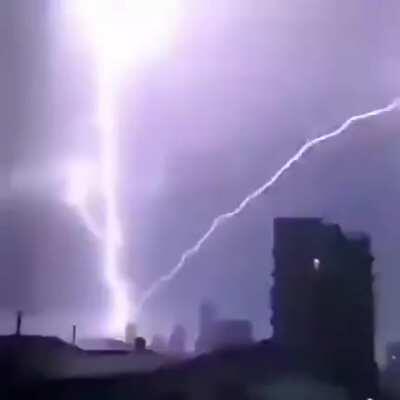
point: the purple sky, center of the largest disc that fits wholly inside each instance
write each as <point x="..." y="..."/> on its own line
<point x="245" y="85"/>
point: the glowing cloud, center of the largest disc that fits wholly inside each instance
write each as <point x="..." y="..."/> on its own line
<point x="126" y="32"/>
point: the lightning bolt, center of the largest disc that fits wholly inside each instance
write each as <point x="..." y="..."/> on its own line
<point x="79" y="182"/>
<point x="82" y="179"/>
<point x="88" y="221"/>
<point x="109" y="182"/>
<point x="219" y="220"/>
<point x="122" y="34"/>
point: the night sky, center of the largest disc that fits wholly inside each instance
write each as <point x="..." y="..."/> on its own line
<point x="244" y="85"/>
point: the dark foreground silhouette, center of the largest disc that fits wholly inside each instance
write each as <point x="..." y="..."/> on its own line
<point x="29" y="367"/>
<point x="322" y="347"/>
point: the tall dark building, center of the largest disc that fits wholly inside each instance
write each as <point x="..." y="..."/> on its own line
<point x="207" y="317"/>
<point x="322" y="300"/>
<point x="177" y="340"/>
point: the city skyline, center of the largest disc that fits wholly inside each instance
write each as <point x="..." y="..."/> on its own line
<point x="239" y="111"/>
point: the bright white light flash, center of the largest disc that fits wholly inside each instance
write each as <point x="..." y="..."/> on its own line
<point x="126" y="32"/>
<point x="257" y="193"/>
<point x="122" y="33"/>
<point x="109" y="182"/>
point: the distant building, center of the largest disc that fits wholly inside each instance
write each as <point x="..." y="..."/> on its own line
<point x="322" y="299"/>
<point x="130" y="333"/>
<point x="216" y="333"/>
<point x="140" y="344"/>
<point x="232" y="333"/>
<point x="177" y="340"/>
<point x="158" y="344"/>
<point x="207" y="317"/>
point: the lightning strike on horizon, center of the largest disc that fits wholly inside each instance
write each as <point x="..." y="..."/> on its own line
<point x="81" y="180"/>
<point x="80" y="183"/>
<point x="113" y="233"/>
<point x="219" y="220"/>
<point x="122" y="34"/>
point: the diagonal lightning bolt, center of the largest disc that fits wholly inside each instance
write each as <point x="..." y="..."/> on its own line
<point x="219" y="220"/>
<point x="79" y="184"/>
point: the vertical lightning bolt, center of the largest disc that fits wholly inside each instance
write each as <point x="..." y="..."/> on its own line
<point x="109" y="181"/>
<point x="219" y="220"/>
<point x="81" y="180"/>
<point x="123" y="35"/>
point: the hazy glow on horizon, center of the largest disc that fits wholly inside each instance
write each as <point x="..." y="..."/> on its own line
<point x="122" y="35"/>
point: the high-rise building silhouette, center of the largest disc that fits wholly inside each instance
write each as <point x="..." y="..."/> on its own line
<point x="220" y="333"/>
<point x="322" y="299"/>
<point x="207" y="317"/>
<point x="158" y="344"/>
<point x="130" y="333"/>
<point x="177" y="340"/>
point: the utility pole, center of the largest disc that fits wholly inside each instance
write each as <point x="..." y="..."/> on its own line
<point x="19" y="323"/>
<point x="74" y="335"/>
